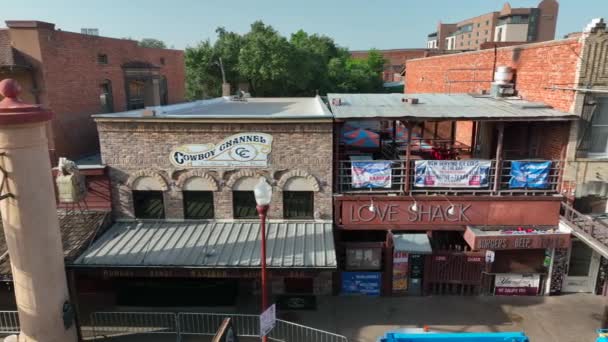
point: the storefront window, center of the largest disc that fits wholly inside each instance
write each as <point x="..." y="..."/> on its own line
<point x="244" y="205"/>
<point x="148" y="204"/>
<point x="198" y="204"/>
<point x="298" y="204"/>
<point x="363" y="258"/>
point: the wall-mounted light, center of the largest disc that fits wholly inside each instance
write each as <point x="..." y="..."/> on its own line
<point x="371" y="207"/>
<point x="414" y="206"/>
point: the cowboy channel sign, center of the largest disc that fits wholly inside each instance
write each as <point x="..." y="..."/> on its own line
<point x="239" y="150"/>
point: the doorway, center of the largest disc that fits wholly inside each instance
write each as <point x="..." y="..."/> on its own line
<point x="582" y="270"/>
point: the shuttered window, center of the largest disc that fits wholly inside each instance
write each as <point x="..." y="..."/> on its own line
<point x="148" y="204"/>
<point x="298" y="204"/>
<point x="244" y="205"/>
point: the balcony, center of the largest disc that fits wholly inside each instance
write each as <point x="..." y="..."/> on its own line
<point x="427" y="158"/>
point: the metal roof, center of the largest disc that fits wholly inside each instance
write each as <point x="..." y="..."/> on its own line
<point x="229" y="108"/>
<point x="440" y="106"/>
<point x="213" y="244"/>
<point x="412" y="243"/>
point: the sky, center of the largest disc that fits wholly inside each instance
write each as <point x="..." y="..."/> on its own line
<point x="355" y="24"/>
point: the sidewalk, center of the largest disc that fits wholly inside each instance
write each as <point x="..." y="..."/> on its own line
<point x="567" y="318"/>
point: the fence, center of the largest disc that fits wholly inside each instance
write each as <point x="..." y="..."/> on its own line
<point x="203" y="324"/>
<point x="9" y="322"/>
<point x="585" y="224"/>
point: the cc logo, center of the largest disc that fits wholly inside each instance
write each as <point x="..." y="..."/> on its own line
<point x="243" y="152"/>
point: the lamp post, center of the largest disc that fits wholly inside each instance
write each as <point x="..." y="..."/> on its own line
<point x="263" y="195"/>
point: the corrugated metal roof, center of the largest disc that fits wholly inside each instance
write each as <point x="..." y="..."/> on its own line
<point x="217" y="244"/>
<point x="441" y="106"/>
<point x="412" y="243"/>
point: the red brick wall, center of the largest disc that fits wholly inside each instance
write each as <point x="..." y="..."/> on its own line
<point x="72" y="79"/>
<point x="536" y="66"/>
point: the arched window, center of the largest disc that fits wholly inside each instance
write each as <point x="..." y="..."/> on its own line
<point x="148" y="200"/>
<point x="198" y="198"/>
<point x="243" y="199"/>
<point x="298" y="198"/>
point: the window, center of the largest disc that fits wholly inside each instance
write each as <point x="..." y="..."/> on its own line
<point x="102" y="58"/>
<point x="135" y="94"/>
<point x="461" y="44"/>
<point x="477" y="33"/>
<point x="198" y="205"/>
<point x="487" y="32"/>
<point x="162" y="60"/>
<point x="298" y="204"/>
<point x="469" y="35"/>
<point x="105" y="98"/>
<point x="243" y="204"/>
<point x="599" y="128"/>
<point x="478" y="24"/>
<point x="148" y="204"/>
<point x="487" y="22"/>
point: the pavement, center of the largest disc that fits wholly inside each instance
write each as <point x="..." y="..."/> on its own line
<point x="566" y="318"/>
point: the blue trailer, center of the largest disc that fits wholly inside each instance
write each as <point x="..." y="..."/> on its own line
<point x="455" y="337"/>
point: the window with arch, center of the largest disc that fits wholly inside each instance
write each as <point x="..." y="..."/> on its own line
<point x="243" y="199"/>
<point x="298" y="198"/>
<point x="198" y="198"/>
<point x="148" y="202"/>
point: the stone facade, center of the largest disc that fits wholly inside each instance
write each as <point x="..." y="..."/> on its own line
<point x="136" y="150"/>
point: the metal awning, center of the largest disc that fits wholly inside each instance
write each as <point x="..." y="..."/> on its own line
<point x="441" y="107"/>
<point x="412" y="243"/>
<point x="213" y="244"/>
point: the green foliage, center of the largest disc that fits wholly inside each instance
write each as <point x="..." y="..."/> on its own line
<point x="152" y="43"/>
<point x="271" y="65"/>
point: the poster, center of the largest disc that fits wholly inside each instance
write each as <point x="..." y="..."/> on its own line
<point x="452" y="173"/>
<point x="376" y="174"/>
<point x="361" y="283"/>
<point x="400" y="266"/>
<point x="512" y="284"/>
<point x="532" y="175"/>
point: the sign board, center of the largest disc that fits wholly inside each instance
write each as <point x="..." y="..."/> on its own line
<point x="361" y="283"/>
<point x="268" y="319"/>
<point x="400" y="271"/>
<point x="532" y="175"/>
<point x="363" y="258"/>
<point x="452" y="173"/>
<point x="239" y="150"/>
<point x="507" y="239"/>
<point x="376" y="174"/>
<point x="490" y="256"/>
<point x="512" y="284"/>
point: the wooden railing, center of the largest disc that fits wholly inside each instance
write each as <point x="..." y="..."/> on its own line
<point x="402" y="185"/>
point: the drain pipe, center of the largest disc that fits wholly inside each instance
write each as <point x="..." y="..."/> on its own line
<point x="31" y="226"/>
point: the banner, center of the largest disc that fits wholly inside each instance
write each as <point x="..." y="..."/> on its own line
<point x="376" y="174"/>
<point x="365" y="283"/>
<point x="516" y="284"/>
<point x="452" y="173"/>
<point x="400" y="268"/>
<point x="532" y="175"/>
<point x="243" y="149"/>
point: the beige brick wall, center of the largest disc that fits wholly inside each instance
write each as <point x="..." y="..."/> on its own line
<point x="129" y="148"/>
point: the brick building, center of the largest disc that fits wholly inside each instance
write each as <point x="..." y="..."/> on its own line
<point x="510" y="24"/>
<point x="182" y="179"/>
<point x="78" y="75"/>
<point x="569" y="76"/>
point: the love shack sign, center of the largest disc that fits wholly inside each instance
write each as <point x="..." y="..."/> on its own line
<point x="239" y="150"/>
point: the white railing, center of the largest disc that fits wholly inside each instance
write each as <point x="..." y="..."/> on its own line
<point x="202" y="324"/>
<point x="9" y="322"/>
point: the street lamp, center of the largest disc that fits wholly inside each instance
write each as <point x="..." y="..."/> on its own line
<point x="263" y="195"/>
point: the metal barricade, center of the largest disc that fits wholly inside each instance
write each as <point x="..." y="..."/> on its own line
<point x="9" y="322"/>
<point x="124" y="323"/>
<point x="196" y="323"/>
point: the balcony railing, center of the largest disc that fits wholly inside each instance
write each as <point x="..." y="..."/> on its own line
<point x="403" y="181"/>
<point x="584" y="224"/>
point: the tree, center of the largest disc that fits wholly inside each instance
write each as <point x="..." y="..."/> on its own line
<point x="304" y="65"/>
<point x="152" y="43"/>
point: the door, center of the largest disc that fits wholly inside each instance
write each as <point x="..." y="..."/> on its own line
<point x="416" y="262"/>
<point x="582" y="268"/>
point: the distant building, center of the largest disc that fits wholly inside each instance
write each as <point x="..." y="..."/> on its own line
<point x="394" y="69"/>
<point x="534" y="24"/>
<point x="82" y="74"/>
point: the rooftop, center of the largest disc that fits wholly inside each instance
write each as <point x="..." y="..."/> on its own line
<point x="212" y="244"/>
<point x="441" y="106"/>
<point x="298" y="108"/>
<point x="77" y="232"/>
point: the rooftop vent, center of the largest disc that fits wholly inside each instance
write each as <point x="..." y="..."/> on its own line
<point x="90" y="31"/>
<point x="502" y="85"/>
<point x="336" y="101"/>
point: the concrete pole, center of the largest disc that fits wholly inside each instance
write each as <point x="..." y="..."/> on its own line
<point x="30" y="221"/>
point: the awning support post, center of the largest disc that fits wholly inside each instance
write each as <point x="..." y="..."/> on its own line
<point x="499" y="150"/>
